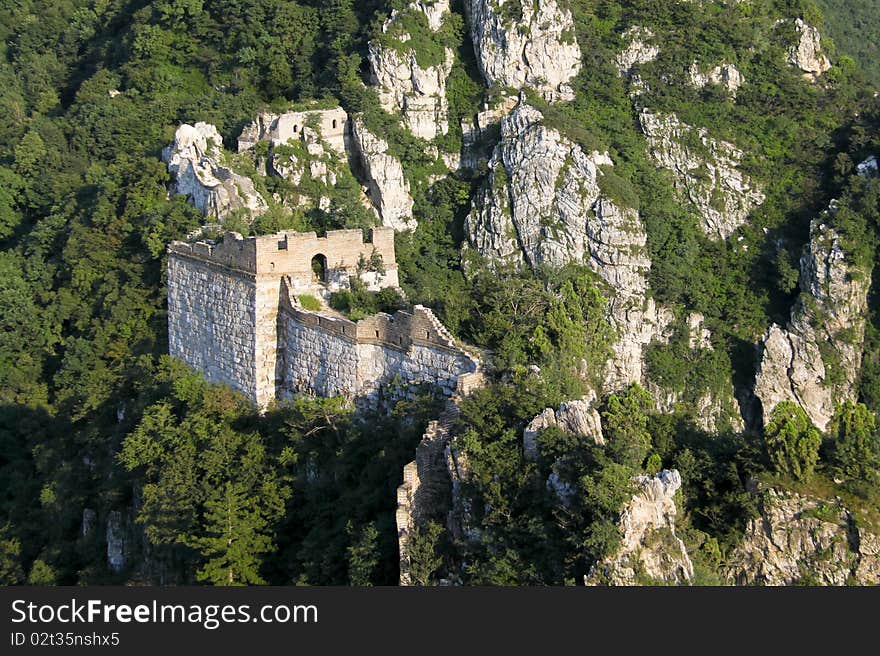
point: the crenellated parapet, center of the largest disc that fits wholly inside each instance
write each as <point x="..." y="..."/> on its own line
<point x="303" y="256"/>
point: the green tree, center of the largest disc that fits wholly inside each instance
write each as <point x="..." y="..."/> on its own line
<point x="792" y="442"/>
<point x="422" y="556"/>
<point x="625" y="423"/>
<point x="11" y="572"/>
<point x="855" y="442"/>
<point x="363" y="555"/>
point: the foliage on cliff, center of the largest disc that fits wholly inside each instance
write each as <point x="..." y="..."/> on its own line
<point x="93" y="417"/>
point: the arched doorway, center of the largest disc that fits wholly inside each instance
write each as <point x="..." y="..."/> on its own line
<point x="319" y="268"/>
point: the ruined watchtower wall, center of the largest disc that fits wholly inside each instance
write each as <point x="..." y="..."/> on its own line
<point x="331" y="356"/>
<point x="223" y="298"/>
<point x="330" y="124"/>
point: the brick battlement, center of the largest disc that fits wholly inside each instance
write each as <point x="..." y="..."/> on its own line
<point x="291" y="253"/>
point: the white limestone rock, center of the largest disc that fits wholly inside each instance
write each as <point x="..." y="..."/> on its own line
<point x="387" y="186"/>
<point x="577" y="417"/>
<point x="829" y="314"/>
<point x="525" y="44"/>
<point x="195" y="160"/>
<point x="807" y="53"/>
<point x="711" y="180"/>
<point x="799" y="539"/>
<point x="869" y="168"/>
<point x="543" y="204"/>
<point x="726" y="75"/>
<point x="639" y="49"/>
<point x="416" y="93"/>
<point x="649" y="545"/>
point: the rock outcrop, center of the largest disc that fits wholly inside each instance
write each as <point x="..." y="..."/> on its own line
<point x="544" y="204"/>
<point x="815" y="360"/>
<point x="578" y="417"/>
<point x="638" y="50"/>
<point x="525" y="44"/>
<point x="709" y="177"/>
<point x="480" y="133"/>
<point x="726" y="75"/>
<point x="804" y="540"/>
<point x="387" y="186"/>
<point x="416" y="93"/>
<point x="650" y="551"/>
<point x="807" y="53"/>
<point x="195" y="160"/>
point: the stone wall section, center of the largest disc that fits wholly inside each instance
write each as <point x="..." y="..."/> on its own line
<point x="328" y="355"/>
<point x="278" y="129"/>
<point x="234" y="315"/>
<point x="427" y="492"/>
<point x="211" y="315"/>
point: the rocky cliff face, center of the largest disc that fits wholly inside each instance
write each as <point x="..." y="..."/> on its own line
<point x="195" y="159"/>
<point x="386" y="184"/>
<point x="799" y="539"/>
<point x="414" y="92"/>
<point x="706" y="172"/>
<point x="806" y="53"/>
<point x="543" y="204"/>
<point x="578" y="417"/>
<point x="815" y="360"/>
<point x="525" y="44"/>
<point x="650" y="550"/>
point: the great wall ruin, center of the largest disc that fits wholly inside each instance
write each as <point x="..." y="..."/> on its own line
<point x="234" y="314"/>
<point x="234" y="308"/>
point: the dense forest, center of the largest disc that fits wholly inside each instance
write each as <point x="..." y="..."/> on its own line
<point x="94" y="414"/>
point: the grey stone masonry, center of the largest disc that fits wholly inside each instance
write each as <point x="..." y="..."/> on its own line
<point x="330" y="356"/>
<point x="234" y="315"/>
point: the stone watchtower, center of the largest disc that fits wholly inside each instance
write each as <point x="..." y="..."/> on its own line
<point x="223" y="297"/>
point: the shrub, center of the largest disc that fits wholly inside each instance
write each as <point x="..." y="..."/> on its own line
<point x="854" y="443"/>
<point x="309" y="302"/>
<point x="792" y="441"/>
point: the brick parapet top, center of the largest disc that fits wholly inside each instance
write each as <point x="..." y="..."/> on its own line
<point x="289" y="251"/>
